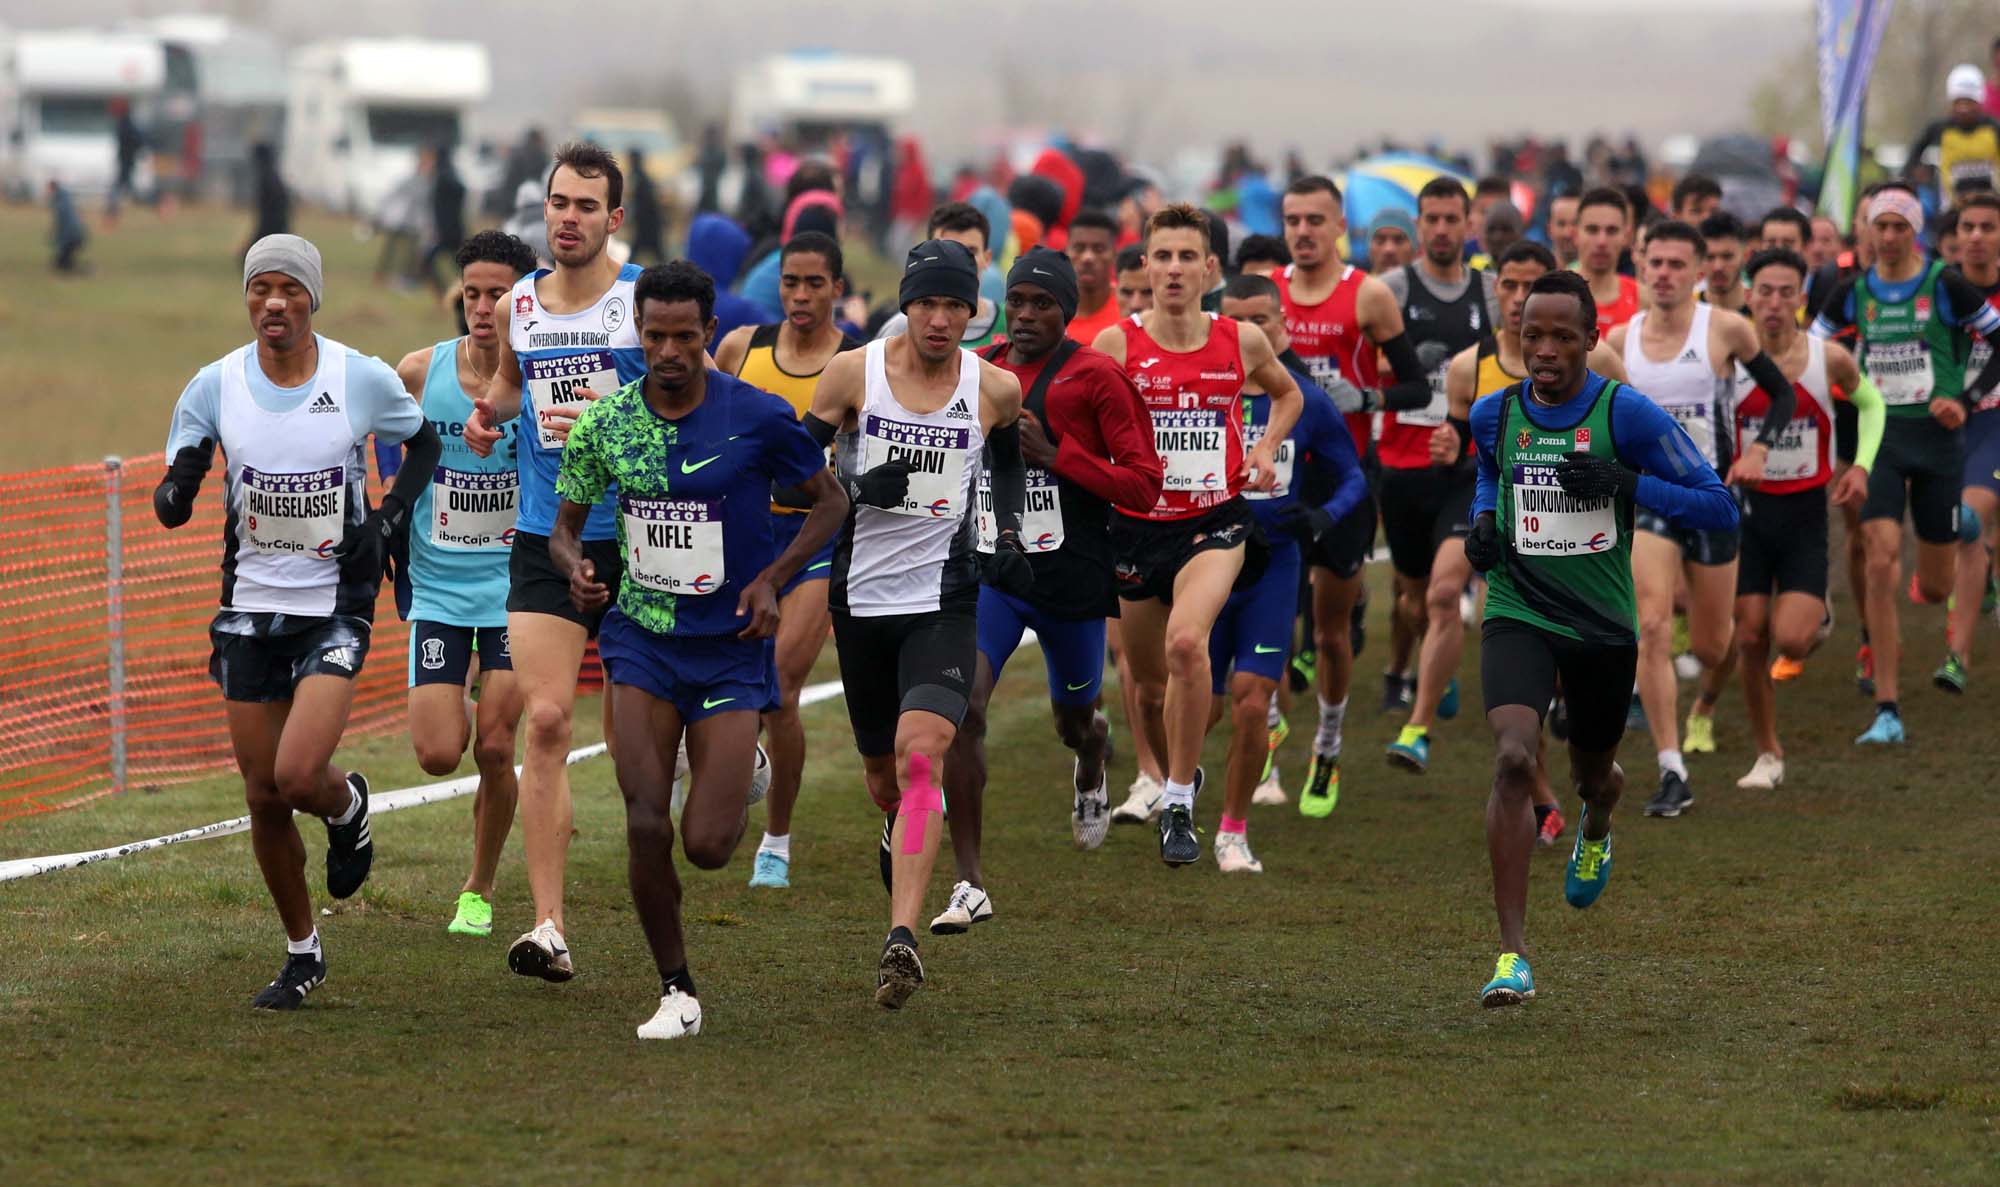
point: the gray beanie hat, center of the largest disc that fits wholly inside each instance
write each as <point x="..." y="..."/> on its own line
<point x="289" y="254"/>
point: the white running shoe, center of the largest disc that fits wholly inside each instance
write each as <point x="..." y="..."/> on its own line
<point x="1765" y="775"/>
<point x="1233" y="856"/>
<point x="541" y="953"/>
<point x="1147" y="796"/>
<point x="1687" y="667"/>
<point x="760" y="777"/>
<point x="1270" y="791"/>
<point x="679" y="1017"/>
<point x="968" y="905"/>
<point x="1090" y="818"/>
<point x="1468" y="607"/>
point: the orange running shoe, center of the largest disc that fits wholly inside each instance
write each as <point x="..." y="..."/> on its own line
<point x="1786" y="668"/>
<point x="1552" y="828"/>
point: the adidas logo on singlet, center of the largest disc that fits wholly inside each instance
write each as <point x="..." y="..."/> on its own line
<point x="958" y="411"/>
<point x="324" y="403"/>
<point x="1692" y="356"/>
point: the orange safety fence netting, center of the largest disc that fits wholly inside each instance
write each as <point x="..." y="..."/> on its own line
<point x="64" y="623"/>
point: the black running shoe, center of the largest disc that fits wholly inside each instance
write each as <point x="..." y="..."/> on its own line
<point x="1392" y="692"/>
<point x="349" y="852"/>
<point x="888" y="870"/>
<point x="1673" y="799"/>
<point x="899" y="975"/>
<point x="302" y="974"/>
<point x="1357" y="628"/>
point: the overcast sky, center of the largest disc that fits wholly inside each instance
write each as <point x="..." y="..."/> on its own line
<point x="1152" y="76"/>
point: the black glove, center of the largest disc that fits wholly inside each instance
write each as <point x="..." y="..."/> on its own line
<point x="883" y="487"/>
<point x="1592" y="477"/>
<point x="1305" y="522"/>
<point x="189" y="467"/>
<point x="1008" y="570"/>
<point x="1484" y="547"/>
<point x="364" y="547"/>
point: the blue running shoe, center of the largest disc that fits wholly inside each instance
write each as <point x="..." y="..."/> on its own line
<point x="771" y="870"/>
<point x="1512" y="983"/>
<point x="1411" y="750"/>
<point x="1589" y="867"/>
<point x="1448" y="703"/>
<point x="1887" y="730"/>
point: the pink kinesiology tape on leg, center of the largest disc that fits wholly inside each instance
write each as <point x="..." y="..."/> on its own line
<point x="921" y="801"/>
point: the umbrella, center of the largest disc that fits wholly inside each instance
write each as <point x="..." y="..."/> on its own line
<point x="1388" y="181"/>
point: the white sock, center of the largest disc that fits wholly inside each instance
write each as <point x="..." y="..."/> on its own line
<point x="1271" y="714"/>
<point x="782" y="846"/>
<point x="1180" y="795"/>
<point x="307" y="946"/>
<point x="1670" y="760"/>
<point x="1331" y="718"/>
<point x="353" y="806"/>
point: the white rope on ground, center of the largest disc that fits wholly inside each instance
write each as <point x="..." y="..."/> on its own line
<point x="388" y="801"/>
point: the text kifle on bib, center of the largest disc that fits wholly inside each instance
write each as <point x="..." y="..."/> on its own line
<point x="673" y="545"/>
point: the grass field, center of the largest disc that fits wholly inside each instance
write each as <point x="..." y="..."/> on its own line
<point x="1791" y="987"/>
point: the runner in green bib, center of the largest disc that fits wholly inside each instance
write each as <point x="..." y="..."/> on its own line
<point x="1914" y="319"/>
<point x="1564" y="459"/>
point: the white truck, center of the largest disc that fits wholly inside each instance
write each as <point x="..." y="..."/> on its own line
<point x="59" y="93"/>
<point x="360" y="110"/>
<point x="808" y="97"/>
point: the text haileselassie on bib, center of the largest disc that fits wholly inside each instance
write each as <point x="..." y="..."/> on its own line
<point x="673" y="545"/>
<point x="936" y="457"/>
<point x="559" y="382"/>
<point x="1548" y="522"/>
<point x="1041" y="525"/>
<point x="301" y="514"/>
<point x="474" y="510"/>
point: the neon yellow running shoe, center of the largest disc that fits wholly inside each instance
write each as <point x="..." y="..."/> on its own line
<point x="1700" y="735"/>
<point x="1322" y="789"/>
<point x="474" y="918"/>
<point x="1272" y="740"/>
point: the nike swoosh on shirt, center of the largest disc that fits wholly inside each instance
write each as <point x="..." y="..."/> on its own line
<point x="708" y="704"/>
<point x="687" y="469"/>
<point x="1260" y="649"/>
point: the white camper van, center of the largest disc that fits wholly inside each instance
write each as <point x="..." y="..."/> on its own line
<point x="361" y="109"/>
<point x="808" y="97"/>
<point x="58" y="94"/>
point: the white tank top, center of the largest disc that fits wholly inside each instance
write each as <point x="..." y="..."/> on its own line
<point x="1686" y="386"/>
<point x="294" y="482"/>
<point x="921" y="555"/>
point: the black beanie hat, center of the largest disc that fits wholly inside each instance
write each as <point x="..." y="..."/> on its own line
<point x="940" y="268"/>
<point x="1038" y="196"/>
<point x="1048" y="269"/>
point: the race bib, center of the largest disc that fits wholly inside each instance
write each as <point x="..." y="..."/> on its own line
<point x="1252" y="434"/>
<point x="1698" y="422"/>
<point x="1041" y="527"/>
<point x="295" y="514"/>
<point x="1975" y="362"/>
<point x="673" y="545"/>
<point x="1548" y="522"/>
<point x="936" y="457"/>
<point x="474" y="510"/>
<point x="1431" y="415"/>
<point x="1190" y="442"/>
<point x="1795" y="454"/>
<point x="557" y="383"/>
<point x="1901" y="370"/>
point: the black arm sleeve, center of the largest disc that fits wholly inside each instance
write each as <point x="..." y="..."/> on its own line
<point x="1784" y="397"/>
<point x="167" y="508"/>
<point x="1010" y="478"/>
<point x="821" y="431"/>
<point x="421" y="451"/>
<point x="1412" y="388"/>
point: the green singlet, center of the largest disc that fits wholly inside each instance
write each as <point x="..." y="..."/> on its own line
<point x="1569" y="562"/>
